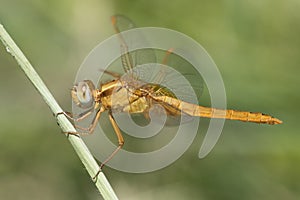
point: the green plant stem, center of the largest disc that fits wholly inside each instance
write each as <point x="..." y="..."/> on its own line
<point x="85" y="156"/>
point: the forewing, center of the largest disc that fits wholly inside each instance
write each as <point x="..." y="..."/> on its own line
<point x="131" y="59"/>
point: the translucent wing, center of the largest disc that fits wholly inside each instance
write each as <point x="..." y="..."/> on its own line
<point x="176" y="73"/>
<point x="131" y="59"/>
<point x="183" y="80"/>
<point x="185" y="69"/>
<point x="174" y="82"/>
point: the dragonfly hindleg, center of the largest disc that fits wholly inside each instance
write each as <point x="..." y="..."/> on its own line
<point x="120" y="140"/>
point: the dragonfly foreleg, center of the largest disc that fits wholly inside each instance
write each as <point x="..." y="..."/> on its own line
<point x="76" y="117"/>
<point x="91" y="128"/>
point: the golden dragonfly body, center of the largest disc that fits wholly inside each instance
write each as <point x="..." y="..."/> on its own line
<point x="133" y="96"/>
<point x="140" y="100"/>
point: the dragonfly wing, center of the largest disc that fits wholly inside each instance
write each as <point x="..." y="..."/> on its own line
<point x="121" y="23"/>
<point x="139" y="70"/>
<point x="130" y="59"/>
<point x="186" y="69"/>
<point x="173" y="81"/>
<point x="179" y="76"/>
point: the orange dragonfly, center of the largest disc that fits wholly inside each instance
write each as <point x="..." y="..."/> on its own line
<point x="132" y="95"/>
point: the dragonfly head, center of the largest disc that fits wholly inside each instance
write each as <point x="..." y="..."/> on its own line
<point x="83" y="94"/>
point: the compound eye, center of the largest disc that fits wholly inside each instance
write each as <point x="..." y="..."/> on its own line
<point x="83" y="94"/>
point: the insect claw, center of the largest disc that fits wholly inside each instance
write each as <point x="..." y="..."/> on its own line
<point x="59" y="113"/>
<point x="95" y="178"/>
<point x="65" y="113"/>
<point x="71" y="133"/>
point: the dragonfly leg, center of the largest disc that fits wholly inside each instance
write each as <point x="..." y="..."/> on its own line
<point x="77" y="117"/>
<point x="91" y="128"/>
<point x="146" y="114"/>
<point x="113" y="74"/>
<point x="120" y="140"/>
<point x="71" y="116"/>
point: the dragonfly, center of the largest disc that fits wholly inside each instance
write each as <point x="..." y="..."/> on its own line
<point x="134" y="96"/>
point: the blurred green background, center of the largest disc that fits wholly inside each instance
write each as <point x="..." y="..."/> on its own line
<point x="255" y="44"/>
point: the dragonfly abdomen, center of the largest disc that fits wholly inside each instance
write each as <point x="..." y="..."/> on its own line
<point x="201" y="111"/>
<point x="244" y="116"/>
